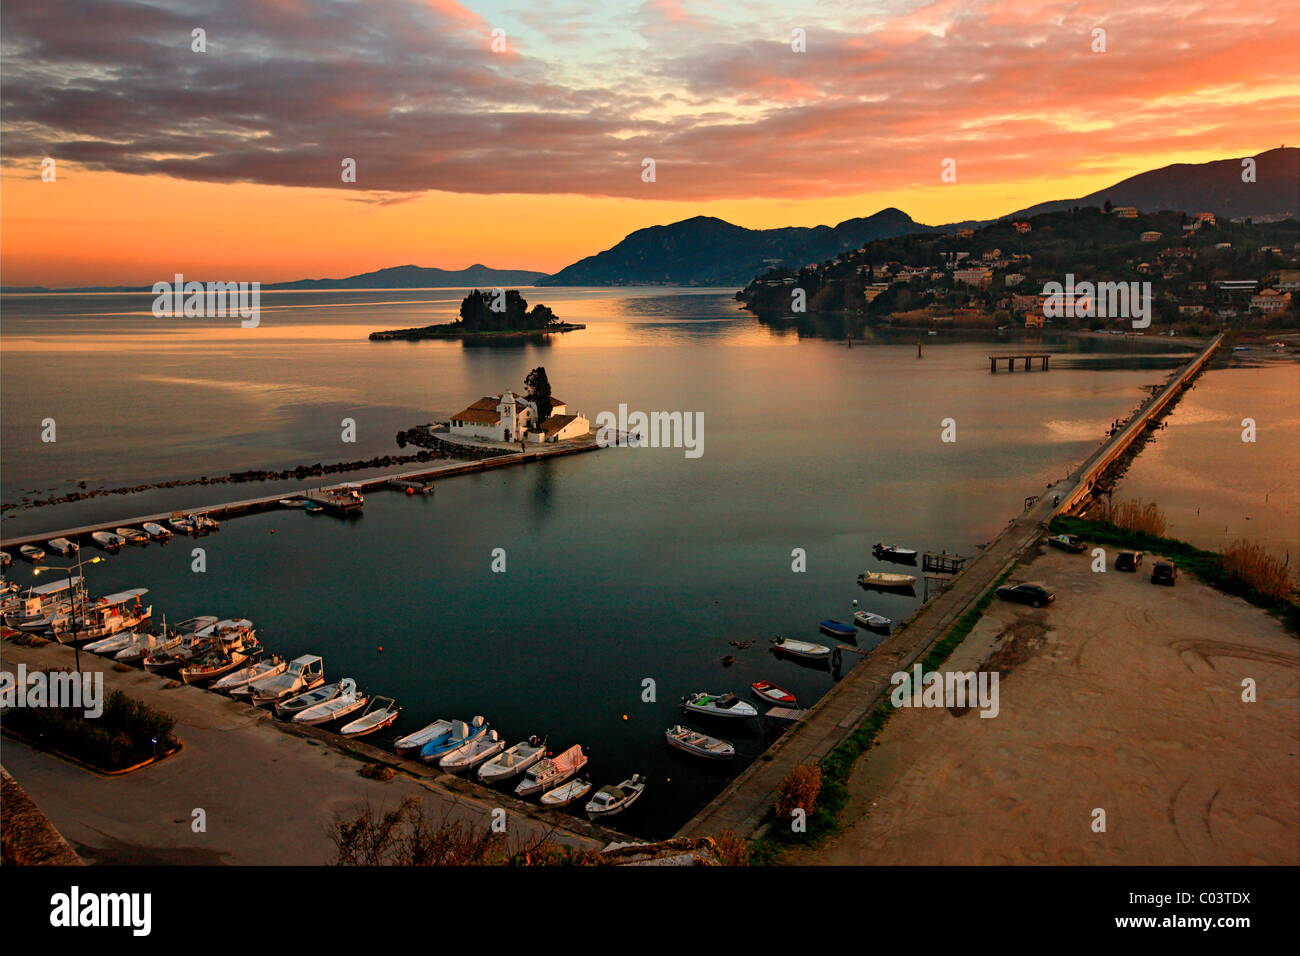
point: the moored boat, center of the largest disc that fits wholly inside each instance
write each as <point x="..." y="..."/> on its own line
<point x="302" y="674"/>
<point x="380" y="713"/>
<point x="156" y="531"/>
<point x="610" y="800"/>
<point x="180" y="524"/>
<point x="180" y="647"/>
<point x="102" y="617"/>
<point x="132" y="536"/>
<point x="892" y="552"/>
<point x="550" y="772"/>
<point x="348" y="702"/>
<point x="293" y="706"/>
<point x="701" y="745"/>
<point x="719" y="705"/>
<point x="237" y="679"/>
<point x="805" y="649"/>
<point x="6" y="559"/>
<point x="471" y="754"/>
<point x="872" y="621"/>
<point x="145" y="644"/>
<point x="515" y="760"/>
<point x="32" y="553"/>
<point x="773" y="693"/>
<point x="62" y="546"/>
<point x="566" y="793"/>
<point x="292" y="502"/>
<point x="204" y="525"/>
<point x="107" y="540"/>
<point x="413" y="742"/>
<point x="838" y="629"/>
<point x="461" y="733"/>
<point x="886" y="580"/>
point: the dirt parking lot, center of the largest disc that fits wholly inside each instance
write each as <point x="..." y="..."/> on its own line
<point x="1122" y="696"/>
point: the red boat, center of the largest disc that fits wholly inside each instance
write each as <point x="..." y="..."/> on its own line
<point x="772" y="693"/>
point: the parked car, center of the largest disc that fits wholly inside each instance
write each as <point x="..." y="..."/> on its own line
<point x="1067" y="542"/>
<point x="1128" y="561"/>
<point x="1162" y="572"/>
<point x="1028" y="593"/>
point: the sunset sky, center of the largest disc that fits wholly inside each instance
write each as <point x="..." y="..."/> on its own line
<point x="226" y="164"/>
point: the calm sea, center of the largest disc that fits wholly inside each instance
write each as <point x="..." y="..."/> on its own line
<point x="626" y="569"/>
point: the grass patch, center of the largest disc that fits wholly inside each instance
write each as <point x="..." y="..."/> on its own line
<point x="1235" y="576"/>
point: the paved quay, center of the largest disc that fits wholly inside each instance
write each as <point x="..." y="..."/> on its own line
<point x="747" y="799"/>
<point x="270" y="792"/>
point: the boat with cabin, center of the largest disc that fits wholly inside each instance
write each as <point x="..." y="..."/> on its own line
<point x="302" y="674"/>
<point x="610" y="800"/>
<point x="550" y="772"/>
<point x="892" y="552"/>
<point x="102" y="617"/>
<point x="718" y="705"/>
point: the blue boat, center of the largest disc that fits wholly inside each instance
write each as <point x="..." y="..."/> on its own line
<point x="460" y="734"/>
<point x="836" y="629"/>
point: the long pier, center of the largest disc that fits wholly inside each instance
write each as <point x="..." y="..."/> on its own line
<point x="250" y="505"/>
<point x="1043" y="358"/>
<point x="742" y="806"/>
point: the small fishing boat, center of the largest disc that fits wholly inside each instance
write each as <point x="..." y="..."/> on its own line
<point x="413" y="742"/>
<point x="302" y="674"/>
<point x="773" y="693"/>
<point x="701" y="745"/>
<point x="892" y="552"/>
<point x="103" y="616"/>
<point x="566" y="793"/>
<point x="838" y="629"/>
<point x="887" y="580"/>
<point x="6" y="559"/>
<point x="805" y="649"/>
<point x="32" y="553"/>
<point x="132" y="536"/>
<point x="180" y="524"/>
<point x="334" y="709"/>
<point x="205" y="525"/>
<point x="236" y="679"/>
<point x="471" y="754"/>
<point x="872" y="621"/>
<point x="461" y="734"/>
<point x="313" y="508"/>
<point x="381" y="712"/>
<point x="719" y="705"/>
<point x="180" y="645"/>
<point x="515" y="760"/>
<point x="550" y="772"/>
<point x="217" y="663"/>
<point x="107" y="540"/>
<point x="62" y="546"/>
<point x="156" y="531"/>
<point x="608" y="801"/>
<point x="111" y="644"/>
<point x="145" y="644"/>
<point x="292" y="502"/>
<point x="293" y="706"/>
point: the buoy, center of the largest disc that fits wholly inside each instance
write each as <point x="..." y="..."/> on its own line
<point x="410" y="490"/>
<point x="381" y="648"/>
<point x="625" y="716"/>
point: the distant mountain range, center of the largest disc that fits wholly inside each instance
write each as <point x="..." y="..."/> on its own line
<point x="709" y="251"/>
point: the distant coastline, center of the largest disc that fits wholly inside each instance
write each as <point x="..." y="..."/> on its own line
<point x="452" y="330"/>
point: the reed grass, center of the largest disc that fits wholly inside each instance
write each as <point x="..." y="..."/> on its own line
<point x="1133" y="515"/>
<point x="1250" y="564"/>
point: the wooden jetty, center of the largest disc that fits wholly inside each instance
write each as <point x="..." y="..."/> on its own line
<point x="944" y="563"/>
<point x="1043" y="358"/>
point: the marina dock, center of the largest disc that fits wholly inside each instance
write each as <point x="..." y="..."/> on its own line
<point x="232" y="509"/>
<point x="1011" y="360"/>
<point x="742" y="806"/>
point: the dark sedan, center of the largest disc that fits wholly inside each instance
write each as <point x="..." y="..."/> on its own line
<point x="1034" y="594"/>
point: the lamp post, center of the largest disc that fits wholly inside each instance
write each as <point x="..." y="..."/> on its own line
<point x="72" y="597"/>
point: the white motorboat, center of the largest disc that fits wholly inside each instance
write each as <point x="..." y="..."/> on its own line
<point x="805" y="649"/>
<point x="302" y="674"/>
<point x="156" y="531"/>
<point x="236" y="679"/>
<point x="566" y="793"/>
<point x="103" y="616"/>
<point x="62" y="546"/>
<point x="470" y="754"/>
<point x="292" y="502"/>
<point x="412" y="742"/>
<point x="871" y="621"/>
<point x="515" y="760"/>
<point x="550" y="772"/>
<point x="32" y="553"/>
<point x="719" y="705"/>
<point x="107" y="540"/>
<point x="702" y="745"/>
<point x="111" y="644"/>
<point x="293" y="706"/>
<point x="608" y="801"/>
<point x="381" y="712"/>
<point x="144" y="645"/>
<point x="180" y="524"/>
<point x="333" y="709"/>
<point x="886" y="580"/>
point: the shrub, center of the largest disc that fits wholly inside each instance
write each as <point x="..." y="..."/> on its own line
<point x="1133" y="515"/>
<point x="1248" y="563"/>
<point x="732" y="850"/>
<point x="798" y="790"/>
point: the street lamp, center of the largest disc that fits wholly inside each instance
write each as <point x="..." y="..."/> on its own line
<point x="76" y="648"/>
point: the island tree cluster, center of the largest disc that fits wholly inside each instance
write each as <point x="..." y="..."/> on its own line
<point x="502" y="310"/>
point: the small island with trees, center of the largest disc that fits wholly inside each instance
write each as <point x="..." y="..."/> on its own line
<point x="497" y="313"/>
